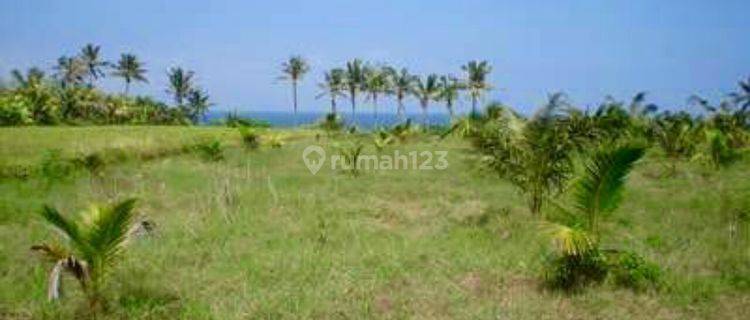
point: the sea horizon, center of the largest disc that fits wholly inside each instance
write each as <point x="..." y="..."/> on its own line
<point x="365" y="120"/>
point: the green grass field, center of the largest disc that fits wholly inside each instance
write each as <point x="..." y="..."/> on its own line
<point x="257" y="236"/>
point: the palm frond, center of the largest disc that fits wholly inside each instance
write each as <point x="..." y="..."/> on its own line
<point x="110" y="229"/>
<point x="69" y="228"/>
<point x="569" y="241"/>
<point x="600" y="190"/>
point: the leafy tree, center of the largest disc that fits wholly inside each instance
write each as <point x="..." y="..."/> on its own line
<point x="334" y="86"/>
<point x="742" y="97"/>
<point x="294" y="69"/>
<point x="425" y="91"/>
<point x="94" y="246"/>
<point x="476" y="82"/>
<point x="34" y="77"/>
<point x="92" y="61"/>
<point x="674" y="134"/>
<point x="403" y="85"/>
<point x="355" y="79"/>
<point x="130" y="69"/>
<point x="180" y="84"/>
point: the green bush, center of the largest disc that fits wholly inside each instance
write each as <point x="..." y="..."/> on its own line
<point x="54" y="167"/>
<point x="211" y="150"/>
<point x="574" y="272"/>
<point x="630" y="270"/>
<point x="14" y="110"/>
<point x="250" y="137"/>
<point x="93" y="163"/>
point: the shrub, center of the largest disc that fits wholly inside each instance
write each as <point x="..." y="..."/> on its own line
<point x="630" y="270"/>
<point x="332" y="123"/>
<point x="93" y="163"/>
<point x="250" y="137"/>
<point x="211" y="151"/>
<point x="351" y="153"/>
<point x="54" y="167"/>
<point x="574" y="272"/>
<point x="14" y="110"/>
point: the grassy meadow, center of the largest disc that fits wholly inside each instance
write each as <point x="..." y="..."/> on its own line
<point x="256" y="235"/>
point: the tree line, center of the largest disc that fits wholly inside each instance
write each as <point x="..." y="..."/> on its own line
<point x="69" y="94"/>
<point x="358" y="79"/>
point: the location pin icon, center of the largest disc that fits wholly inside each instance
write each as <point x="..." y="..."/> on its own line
<point x="314" y="158"/>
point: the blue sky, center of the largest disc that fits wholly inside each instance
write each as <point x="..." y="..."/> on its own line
<point x="587" y="48"/>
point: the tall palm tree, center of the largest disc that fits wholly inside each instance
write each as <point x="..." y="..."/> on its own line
<point x="294" y="69"/>
<point x="93" y="62"/>
<point x="198" y="104"/>
<point x="376" y="82"/>
<point x="94" y="245"/>
<point x="402" y="86"/>
<point x="130" y="69"/>
<point x="70" y="71"/>
<point x="355" y="78"/>
<point x="476" y="81"/>
<point x="180" y="84"/>
<point x="334" y="86"/>
<point x="426" y="91"/>
<point x="449" y="88"/>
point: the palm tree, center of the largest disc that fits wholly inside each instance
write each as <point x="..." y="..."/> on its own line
<point x="742" y="97"/>
<point x="34" y="76"/>
<point x="334" y="86"/>
<point x="425" y="91"/>
<point x="376" y="82"/>
<point x="94" y="245"/>
<point x="355" y="78"/>
<point x="403" y="85"/>
<point x="449" y="88"/>
<point x="94" y="64"/>
<point x="597" y="194"/>
<point x="70" y="71"/>
<point x="476" y="82"/>
<point x="130" y="69"/>
<point x="198" y="104"/>
<point x="294" y="69"/>
<point x="180" y="84"/>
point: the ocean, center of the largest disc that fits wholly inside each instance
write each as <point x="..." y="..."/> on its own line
<point x="363" y="120"/>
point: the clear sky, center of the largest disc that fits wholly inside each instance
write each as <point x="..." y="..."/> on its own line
<point x="587" y="48"/>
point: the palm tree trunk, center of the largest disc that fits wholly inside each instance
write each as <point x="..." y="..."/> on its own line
<point x="400" y="111"/>
<point x="127" y="88"/>
<point x="449" y="105"/>
<point x="333" y="105"/>
<point x="473" y="105"/>
<point x="353" y="99"/>
<point x="424" y="114"/>
<point x="294" y="97"/>
<point x="375" y="107"/>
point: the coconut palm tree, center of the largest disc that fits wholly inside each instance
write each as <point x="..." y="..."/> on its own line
<point x="197" y="105"/>
<point x="355" y="79"/>
<point x="93" y="245"/>
<point x="597" y="194"/>
<point x="93" y="62"/>
<point x="426" y="90"/>
<point x="70" y="71"/>
<point x="130" y="69"/>
<point x="334" y="86"/>
<point x="402" y="86"/>
<point x="180" y="84"/>
<point x="476" y="81"/>
<point x="294" y="69"/>
<point x="449" y="88"/>
<point x="376" y="82"/>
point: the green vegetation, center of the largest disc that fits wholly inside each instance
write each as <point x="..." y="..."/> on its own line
<point x="224" y="232"/>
